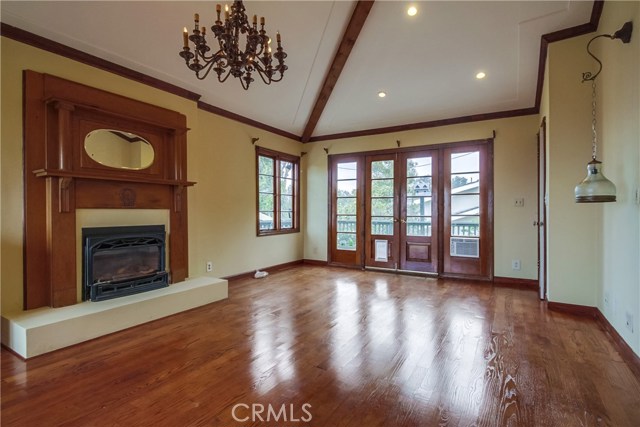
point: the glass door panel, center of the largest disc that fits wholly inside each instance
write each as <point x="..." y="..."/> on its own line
<point x="346" y="212"/>
<point x="465" y="211"/>
<point x="418" y="246"/>
<point x="382" y="212"/>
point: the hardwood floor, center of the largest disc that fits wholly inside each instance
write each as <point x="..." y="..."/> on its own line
<point x="362" y="348"/>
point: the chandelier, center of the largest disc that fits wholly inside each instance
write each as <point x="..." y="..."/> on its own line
<point x="227" y="58"/>
<point x="596" y="188"/>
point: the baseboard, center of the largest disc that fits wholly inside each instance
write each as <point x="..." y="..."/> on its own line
<point x="272" y="269"/>
<point x="575" y="309"/>
<point x="315" y="262"/>
<point x="529" y="284"/>
<point x="626" y="352"/>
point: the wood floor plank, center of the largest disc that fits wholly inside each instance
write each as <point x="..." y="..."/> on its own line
<point x="362" y="348"/>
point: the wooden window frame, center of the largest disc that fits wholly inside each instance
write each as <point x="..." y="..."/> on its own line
<point x="277" y="158"/>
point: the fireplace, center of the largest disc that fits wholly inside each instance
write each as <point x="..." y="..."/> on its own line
<point x="120" y="261"/>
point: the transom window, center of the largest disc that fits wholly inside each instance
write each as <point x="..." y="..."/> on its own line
<point x="278" y="199"/>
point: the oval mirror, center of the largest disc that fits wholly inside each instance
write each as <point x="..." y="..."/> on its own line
<point x="118" y="149"/>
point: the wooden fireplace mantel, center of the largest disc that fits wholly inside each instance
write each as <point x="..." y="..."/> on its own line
<point x="61" y="177"/>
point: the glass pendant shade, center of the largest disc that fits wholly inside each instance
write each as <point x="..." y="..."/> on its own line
<point x="595" y="188"/>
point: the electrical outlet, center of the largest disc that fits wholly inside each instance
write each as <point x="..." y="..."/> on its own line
<point x="519" y="202"/>
<point x="209" y="266"/>
<point x="629" y="321"/>
<point x="515" y="264"/>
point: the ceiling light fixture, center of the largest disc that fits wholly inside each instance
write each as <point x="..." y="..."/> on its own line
<point x="382" y="94"/>
<point x="412" y="11"/>
<point x="480" y="75"/>
<point x="596" y="187"/>
<point x="228" y="58"/>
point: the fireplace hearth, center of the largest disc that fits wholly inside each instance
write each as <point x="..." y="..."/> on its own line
<point x="120" y="261"/>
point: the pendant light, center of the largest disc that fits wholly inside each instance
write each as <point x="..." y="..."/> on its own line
<point x="596" y="188"/>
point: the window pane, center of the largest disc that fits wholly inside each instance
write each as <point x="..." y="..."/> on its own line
<point x="465" y="225"/>
<point x="347" y="205"/>
<point x="419" y="226"/>
<point x="265" y="184"/>
<point x="418" y="206"/>
<point x="382" y="188"/>
<point x="465" y="183"/>
<point x="382" y="206"/>
<point x="265" y="202"/>
<point x="465" y="162"/>
<point x="286" y="203"/>
<point x="346" y="241"/>
<point x="347" y="223"/>
<point x="419" y="166"/>
<point x="286" y="169"/>
<point x="265" y="165"/>
<point x="382" y="169"/>
<point x="347" y="170"/>
<point x="286" y="186"/>
<point x="286" y="220"/>
<point x="266" y="221"/>
<point x="347" y="188"/>
<point x="382" y="226"/>
<point x="419" y="186"/>
<point x="465" y="204"/>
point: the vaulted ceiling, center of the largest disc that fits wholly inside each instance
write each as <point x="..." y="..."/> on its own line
<point x="426" y="64"/>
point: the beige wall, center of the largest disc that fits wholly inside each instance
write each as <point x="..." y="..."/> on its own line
<point x="222" y="212"/>
<point x="573" y="249"/>
<point x="515" y="176"/>
<point x="619" y="133"/>
<point x="594" y="249"/>
<point x="220" y="158"/>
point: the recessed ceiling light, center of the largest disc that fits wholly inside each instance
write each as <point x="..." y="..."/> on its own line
<point x="382" y="94"/>
<point x="480" y="75"/>
<point x="412" y="11"/>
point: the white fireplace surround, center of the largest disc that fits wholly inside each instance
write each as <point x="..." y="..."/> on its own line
<point x="35" y="332"/>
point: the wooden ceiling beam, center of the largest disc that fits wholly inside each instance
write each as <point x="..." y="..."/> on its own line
<point x="349" y="38"/>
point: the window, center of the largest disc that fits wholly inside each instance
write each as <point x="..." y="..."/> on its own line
<point x="278" y="197"/>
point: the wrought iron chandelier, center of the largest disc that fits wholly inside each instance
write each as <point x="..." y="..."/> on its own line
<point x="227" y="58"/>
<point x="596" y="188"/>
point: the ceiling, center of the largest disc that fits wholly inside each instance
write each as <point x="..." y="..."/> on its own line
<point x="426" y="64"/>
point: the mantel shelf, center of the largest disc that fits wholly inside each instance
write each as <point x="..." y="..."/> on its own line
<point x="44" y="173"/>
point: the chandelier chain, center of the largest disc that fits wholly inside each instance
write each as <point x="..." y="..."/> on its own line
<point x="594" y="143"/>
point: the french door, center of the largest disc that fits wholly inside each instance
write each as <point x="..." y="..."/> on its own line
<point x="427" y="209"/>
<point x="401" y="211"/>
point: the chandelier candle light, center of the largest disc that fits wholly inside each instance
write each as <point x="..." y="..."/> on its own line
<point x="596" y="187"/>
<point x="228" y="58"/>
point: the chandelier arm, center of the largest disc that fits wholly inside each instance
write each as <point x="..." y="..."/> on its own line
<point x="262" y="73"/>
<point x="209" y="66"/>
<point x="224" y="79"/>
<point x="588" y="76"/>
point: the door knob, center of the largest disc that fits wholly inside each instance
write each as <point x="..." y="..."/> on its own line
<point x="538" y="224"/>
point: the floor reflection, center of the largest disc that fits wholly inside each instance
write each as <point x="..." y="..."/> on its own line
<point x="273" y="337"/>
